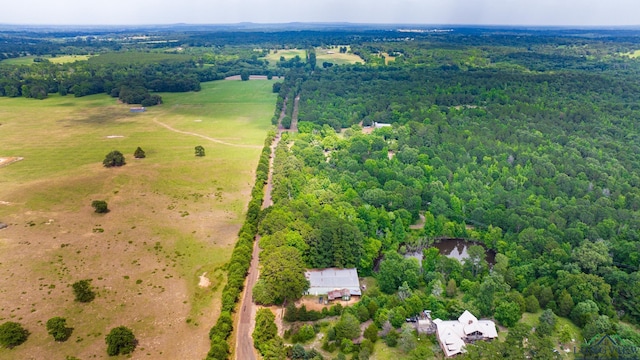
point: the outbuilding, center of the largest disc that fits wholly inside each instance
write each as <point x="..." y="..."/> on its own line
<point x="333" y="282"/>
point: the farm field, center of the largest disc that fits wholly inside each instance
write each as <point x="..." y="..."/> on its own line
<point x="634" y="54"/>
<point x="274" y="56"/>
<point x="331" y="55"/>
<point x="28" y="60"/>
<point x="173" y="216"/>
<point x="334" y="56"/>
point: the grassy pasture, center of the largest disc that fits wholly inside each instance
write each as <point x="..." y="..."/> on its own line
<point x="334" y="56"/>
<point x="388" y="58"/>
<point x="633" y="54"/>
<point x="28" y="60"/>
<point x="274" y="56"/>
<point x="173" y="216"/>
<point x="331" y="55"/>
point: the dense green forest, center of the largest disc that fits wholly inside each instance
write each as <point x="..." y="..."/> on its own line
<point x="529" y="147"/>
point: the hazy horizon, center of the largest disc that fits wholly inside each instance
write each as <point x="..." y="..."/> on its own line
<point x="543" y="13"/>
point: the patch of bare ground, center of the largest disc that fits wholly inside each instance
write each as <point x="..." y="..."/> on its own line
<point x="312" y="303"/>
<point x="419" y="224"/>
<point x="142" y="258"/>
<point x="4" y="161"/>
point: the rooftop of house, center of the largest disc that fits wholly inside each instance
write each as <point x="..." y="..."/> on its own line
<point x="453" y="333"/>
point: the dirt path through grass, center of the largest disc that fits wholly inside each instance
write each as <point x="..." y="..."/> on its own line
<point x="204" y="136"/>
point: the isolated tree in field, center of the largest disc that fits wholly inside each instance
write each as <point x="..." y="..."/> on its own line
<point x="100" y="206"/>
<point x="57" y="327"/>
<point x="547" y="323"/>
<point x="12" y="334"/>
<point x="82" y="291"/>
<point x="114" y="158"/>
<point x="139" y="153"/>
<point x="120" y="341"/>
<point x="199" y="151"/>
<point x="244" y="75"/>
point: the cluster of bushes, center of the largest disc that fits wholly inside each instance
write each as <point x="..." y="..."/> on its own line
<point x="265" y="336"/>
<point x="302" y="334"/>
<point x="136" y="95"/>
<point x="240" y="259"/>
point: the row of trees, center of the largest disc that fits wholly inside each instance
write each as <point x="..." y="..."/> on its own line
<point x="240" y="260"/>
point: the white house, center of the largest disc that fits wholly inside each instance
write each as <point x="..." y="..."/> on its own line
<point x="453" y="335"/>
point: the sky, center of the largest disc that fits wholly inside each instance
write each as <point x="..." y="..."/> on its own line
<point x="467" y="12"/>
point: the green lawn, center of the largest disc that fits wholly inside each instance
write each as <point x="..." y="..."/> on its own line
<point x="334" y="56"/>
<point x="532" y="320"/>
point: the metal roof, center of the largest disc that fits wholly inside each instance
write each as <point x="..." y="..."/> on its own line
<point x="325" y="280"/>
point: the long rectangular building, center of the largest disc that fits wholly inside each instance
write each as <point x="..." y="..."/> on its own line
<point x="323" y="281"/>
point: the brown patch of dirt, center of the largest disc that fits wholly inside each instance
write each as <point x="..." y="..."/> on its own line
<point x="4" y="161"/>
<point x="311" y="302"/>
<point x="204" y="280"/>
<point x="419" y="224"/>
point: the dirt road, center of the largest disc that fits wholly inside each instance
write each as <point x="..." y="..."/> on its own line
<point x="205" y="137"/>
<point x="294" y="115"/>
<point x="247" y="318"/>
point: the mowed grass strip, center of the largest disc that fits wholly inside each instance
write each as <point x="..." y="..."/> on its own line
<point x="174" y="216"/>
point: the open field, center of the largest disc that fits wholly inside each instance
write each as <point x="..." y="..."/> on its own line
<point x="28" y="60"/>
<point x="173" y="216"/>
<point x="633" y="54"/>
<point x="334" y="56"/>
<point x="388" y="58"/>
<point x="331" y="55"/>
<point x="274" y="56"/>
